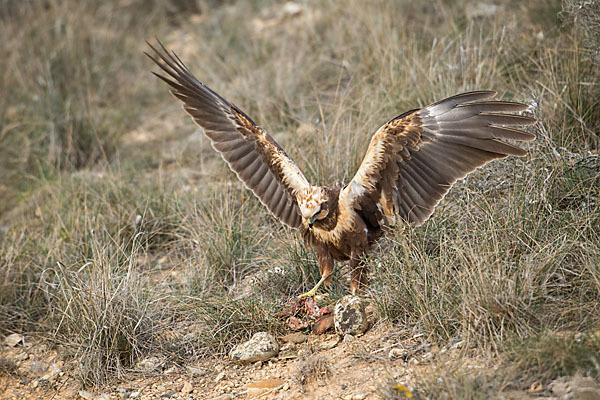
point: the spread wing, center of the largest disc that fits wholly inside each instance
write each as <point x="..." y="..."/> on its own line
<point x="414" y="159"/>
<point x="251" y="153"/>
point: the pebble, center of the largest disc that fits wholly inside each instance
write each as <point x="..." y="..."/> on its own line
<point x="39" y="367"/>
<point x="85" y="394"/>
<point x="397" y="352"/>
<point x="196" y="371"/>
<point x="348" y="338"/>
<point x="296" y="338"/>
<point x="149" y="364"/>
<point x="187" y="387"/>
<point x="262" y="387"/>
<point x="261" y="347"/>
<point x="14" y="339"/>
<point x="220" y="377"/>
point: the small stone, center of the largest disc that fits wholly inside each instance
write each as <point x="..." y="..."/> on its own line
<point x="102" y="396"/>
<point x="261" y="347"/>
<point x="85" y="394"/>
<point x="220" y="377"/>
<point x="359" y="396"/>
<point x="260" y="388"/>
<point x="285" y="386"/>
<point x="54" y="373"/>
<point x="187" y="387"/>
<point x="348" y="338"/>
<point x="14" y="339"/>
<point x="39" y="367"/>
<point x="196" y="371"/>
<point x="149" y="364"/>
<point x="349" y="316"/>
<point x="123" y="393"/>
<point x="397" y="353"/>
<point x="224" y="397"/>
<point x="296" y="338"/>
<point x="135" y="395"/>
<point x="330" y="344"/>
<point x="35" y="383"/>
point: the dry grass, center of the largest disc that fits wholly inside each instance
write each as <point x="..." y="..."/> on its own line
<point x="119" y="221"/>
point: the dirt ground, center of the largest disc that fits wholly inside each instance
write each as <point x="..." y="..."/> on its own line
<point x="385" y="362"/>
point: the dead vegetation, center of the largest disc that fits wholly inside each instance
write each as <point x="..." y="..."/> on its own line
<point x="119" y="222"/>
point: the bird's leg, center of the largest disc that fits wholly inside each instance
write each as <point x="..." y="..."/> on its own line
<point x="325" y="268"/>
<point x="312" y="292"/>
<point x="358" y="280"/>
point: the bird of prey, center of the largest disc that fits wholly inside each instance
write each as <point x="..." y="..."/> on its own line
<point x="411" y="163"/>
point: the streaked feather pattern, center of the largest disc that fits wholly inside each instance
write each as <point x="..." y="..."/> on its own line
<point x="411" y="163"/>
<point x="251" y="152"/>
<point x="414" y="159"/>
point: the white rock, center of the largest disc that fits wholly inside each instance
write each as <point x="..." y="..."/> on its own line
<point x="39" y="367"/>
<point x="14" y="339"/>
<point x="261" y="347"/>
<point x="220" y="377"/>
<point x="85" y="394"/>
<point x="149" y="364"/>
<point x="349" y="316"/>
<point x="196" y="371"/>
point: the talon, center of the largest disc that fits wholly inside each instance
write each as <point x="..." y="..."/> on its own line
<point x="313" y="291"/>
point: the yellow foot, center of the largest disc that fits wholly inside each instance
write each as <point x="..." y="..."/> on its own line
<point x="310" y="293"/>
<point x="313" y="291"/>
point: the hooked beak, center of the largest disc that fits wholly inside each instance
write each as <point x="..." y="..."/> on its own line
<point x="312" y="220"/>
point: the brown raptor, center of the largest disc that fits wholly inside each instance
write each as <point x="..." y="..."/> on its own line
<point x="411" y="163"/>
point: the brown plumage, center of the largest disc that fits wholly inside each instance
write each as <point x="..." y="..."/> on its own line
<point x="411" y="163"/>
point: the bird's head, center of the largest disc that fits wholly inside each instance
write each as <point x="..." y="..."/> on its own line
<point x="313" y="204"/>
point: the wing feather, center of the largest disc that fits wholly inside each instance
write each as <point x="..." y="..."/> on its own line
<point x="250" y="152"/>
<point x="414" y="159"/>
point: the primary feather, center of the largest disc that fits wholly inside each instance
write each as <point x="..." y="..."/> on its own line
<point x="411" y="163"/>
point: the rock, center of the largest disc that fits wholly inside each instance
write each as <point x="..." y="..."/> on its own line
<point x="54" y="372"/>
<point x="349" y="316"/>
<point x="124" y="393"/>
<point x="576" y="388"/>
<point x="261" y="347"/>
<point x="187" y="387"/>
<point x="85" y="394"/>
<point x="149" y="364"/>
<point x="171" y="371"/>
<point x="295" y="338"/>
<point x="397" y="353"/>
<point x="348" y="338"/>
<point x="39" y="367"/>
<point x="103" y="396"/>
<point x="330" y="344"/>
<point x="224" y="397"/>
<point x="220" y="377"/>
<point x="323" y="324"/>
<point x="196" y="371"/>
<point x="267" y="386"/>
<point x="14" y="339"/>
